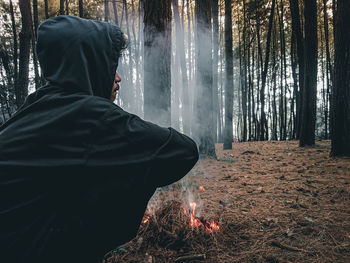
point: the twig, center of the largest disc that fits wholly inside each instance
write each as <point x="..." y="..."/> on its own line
<point x="190" y="257"/>
<point x="286" y="247"/>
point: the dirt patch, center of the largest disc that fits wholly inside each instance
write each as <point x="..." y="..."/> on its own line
<point x="275" y="202"/>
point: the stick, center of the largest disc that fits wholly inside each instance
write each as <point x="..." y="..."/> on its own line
<point x="286" y="247"/>
<point x="190" y="257"/>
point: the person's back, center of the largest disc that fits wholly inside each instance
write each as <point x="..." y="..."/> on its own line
<point x="76" y="171"/>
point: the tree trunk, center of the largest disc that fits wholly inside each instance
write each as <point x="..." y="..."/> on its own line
<point x="204" y="130"/>
<point x="296" y="27"/>
<point x="15" y="49"/>
<point x="46" y="9"/>
<point x="35" y="16"/>
<point x="115" y="11"/>
<point x="24" y="52"/>
<point x="157" y="55"/>
<point x="308" y="121"/>
<point x="61" y="12"/>
<point x="244" y="72"/>
<point x="329" y="68"/>
<point x="221" y="88"/>
<point x="106" y="6"/>
<point x="341" y="92"/>
<point x="215" y="67"/>
<point x="67" y="8"/>
<point x="180" y="50"/>
<point x="274" y="84"/>
<point x="264" y="75"/>
<point x="250" y="86"/>
<point x="130" y="92"/>
<point x="295" y="86"/>
<point x="228" y="133"/>
<point x="35" y="59"/>
<point x="81" y="8"/>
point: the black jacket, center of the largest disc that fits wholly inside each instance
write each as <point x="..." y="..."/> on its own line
<point x="76" y="171"/>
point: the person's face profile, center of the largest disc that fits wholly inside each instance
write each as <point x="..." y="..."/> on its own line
<point x="115" y="87"/>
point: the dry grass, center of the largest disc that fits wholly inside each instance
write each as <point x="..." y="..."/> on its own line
<point x="275" y="202"/>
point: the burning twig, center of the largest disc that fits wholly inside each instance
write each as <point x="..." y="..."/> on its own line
<point x="190" y="257"/>
<point x="197" y="222"/>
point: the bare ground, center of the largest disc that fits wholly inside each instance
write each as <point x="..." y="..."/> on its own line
<point x="275" y="202"/>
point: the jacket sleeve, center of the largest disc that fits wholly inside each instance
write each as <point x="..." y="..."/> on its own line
<point x="165" y="154"/>
<point x="174" y="159"/>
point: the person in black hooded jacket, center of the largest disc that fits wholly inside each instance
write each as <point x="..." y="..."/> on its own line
<point x="77" y="171"/>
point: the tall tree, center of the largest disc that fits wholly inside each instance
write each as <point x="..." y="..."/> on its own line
<point x="329" y="67"/>
<point x="308" y="116"/>
<point x="157" y="59"/>
<point x="24" y="52"/>
<point x="35" y="59"/>
<point x="341" y="94"/>
<point x="47" y="8"/>
<point x="180" y="50"/>
<point x="115" y="11"/>
<point x="204" y="131"/>
<point x="67" y="8"/>
<point x="297" y="31"/>
<point x="15" y="47"/>
<point x="61" y="12"/>
<point x="215" y="15"/>
<point x="106" y="5"/>
<point x="263" y="122"/>
<point x="81" y="8"/>
<point x="228" y="133"/>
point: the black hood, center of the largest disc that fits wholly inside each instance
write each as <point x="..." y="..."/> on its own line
<point x="78" y="54"/>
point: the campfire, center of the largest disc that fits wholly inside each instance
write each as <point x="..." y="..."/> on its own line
<point x="201" y="222"/>
<point x="194" y="221"/>
<point x="173" y="231"/>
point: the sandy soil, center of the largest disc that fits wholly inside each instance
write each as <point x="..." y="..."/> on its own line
<point x="275" y="202"/>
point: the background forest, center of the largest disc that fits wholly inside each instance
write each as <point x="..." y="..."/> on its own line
<point x="253" y="82"/>
<point x="218" y="70"/>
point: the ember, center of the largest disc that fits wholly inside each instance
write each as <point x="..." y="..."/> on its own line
<point x="145" y="219"/>
<point x="197" y="222"/>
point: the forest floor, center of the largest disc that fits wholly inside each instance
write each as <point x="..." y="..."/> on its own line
<point x="273" y="201"/>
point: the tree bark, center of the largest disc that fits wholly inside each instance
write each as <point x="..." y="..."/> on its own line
<point x="67" y="8"/>
<point x="244" y="85"/>
<point x="215" y="11"/>
<point x="35" y="59"/>
<point x="24" y="52"/>
<point x="295" y="86"/>
<point x="274" y="84"/>
<point x="115" y="11"/>
<point x="81" y="8"/>
<point x="106" y="6"/>
<point x="341" y="93"/>
<point x="46" y="9"/>
<point x="228" y="133"/>
<point x="61" y="12"/>
<point x="204" y="130"/>
<point x="329" y="68"/>
<point x="157" y="54"/>
<point x="296" y="27"/>
<point x="308" y="121"/>
<point x="264" y="75"/>
<point x="180" y="50"/>
<point x="15" y="49"/>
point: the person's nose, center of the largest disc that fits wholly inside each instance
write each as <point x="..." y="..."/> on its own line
<point x="117" y="78"/>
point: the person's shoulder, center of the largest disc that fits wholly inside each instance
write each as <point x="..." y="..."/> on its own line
<point x="95" y="103"/>
<point x="104" y="110"/>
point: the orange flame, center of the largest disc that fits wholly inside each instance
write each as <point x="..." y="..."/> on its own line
<point x="197" y="222"/>
<point x="145" y="219"/>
